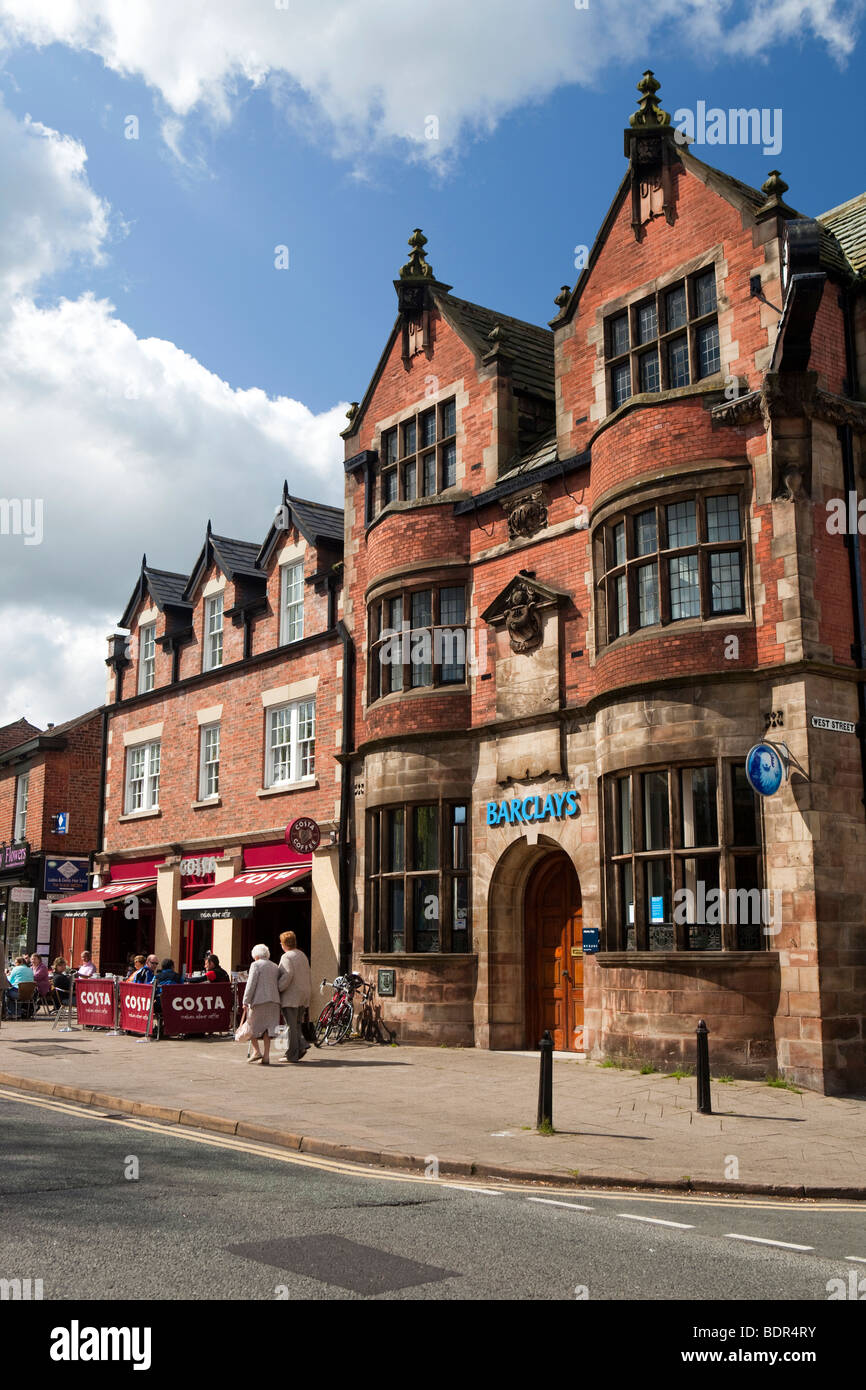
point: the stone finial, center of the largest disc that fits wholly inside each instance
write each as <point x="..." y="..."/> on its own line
<point x="416" y="268"/>
<point x="649" y="112"/>
<point x="563" y="297"/>
<point x="774" y="187"/>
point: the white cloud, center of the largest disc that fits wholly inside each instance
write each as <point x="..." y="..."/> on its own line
<point x="374" y="70"/>
<point x="130" y="443"/>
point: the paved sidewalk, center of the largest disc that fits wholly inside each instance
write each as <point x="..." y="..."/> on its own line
<point x="474" y="1111"/>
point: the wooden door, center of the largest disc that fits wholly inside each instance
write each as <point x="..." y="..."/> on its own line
<point x="554" y="976"/>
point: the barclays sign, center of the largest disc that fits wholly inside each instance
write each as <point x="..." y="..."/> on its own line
<point x="529" y="810"/>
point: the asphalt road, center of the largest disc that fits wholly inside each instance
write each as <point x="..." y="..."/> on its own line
<point x="111" y="1208"/>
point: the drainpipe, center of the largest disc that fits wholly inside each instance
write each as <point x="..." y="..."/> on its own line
<point x="100" y="828"/>
<point x="347" y="743"/>
<point x="855" y="566"/>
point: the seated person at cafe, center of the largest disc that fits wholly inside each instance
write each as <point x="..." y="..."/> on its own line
<point x="137" y="964"/>
<point x="40" y="975"/>
<point x="62" y="982"/>
<point x="20" y="973"/>
<point x="166" y="975"/>
<point x="87" y="969"/>
<point x="146" y="974"/>
<point x="214" y="972"/>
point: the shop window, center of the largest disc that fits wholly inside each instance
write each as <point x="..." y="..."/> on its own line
<point x="209" y="775"/>
<point x="664" y="342"/>
<point x="142" y="777"/>
<point x="684" y="861"/>
<point x="292" y="603"/>
<point x="213" y="632"/>
<point x="669" y="562"/>
<point x="22" y="794"/>
<point x="419" y="456"/>
<point x="417" y="639"/>
<point x="291" y="743"/>
<point x="146" y="658"/>
<point x="418" y="878"/>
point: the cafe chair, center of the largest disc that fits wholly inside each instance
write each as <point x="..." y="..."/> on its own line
<point x="23" y="1006"/>
<point x="43" y="1004"/>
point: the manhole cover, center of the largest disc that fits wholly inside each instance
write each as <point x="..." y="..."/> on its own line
<point x="51" y="1049"/>
<point x="346" y="1264"/>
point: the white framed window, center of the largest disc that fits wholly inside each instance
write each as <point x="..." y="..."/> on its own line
<point x="291" y="743"/>
<point x="209" y="778"/>
<point x="213" y="632"/>
<point x="22" y="793"/>
<point x="146" y="658"/>
<point x="142" y="777"/>
<point x="292" y="603"/>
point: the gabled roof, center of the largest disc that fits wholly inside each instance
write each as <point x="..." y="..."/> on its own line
<point x="19" y="732"/>
<point x="165" y="587"/>
<point x="317" y="522"/>
<point x="847" y="223"/>
<point x="234" y="558"/>
<point x="529" y="346"/>
<point x="36" y="740"/>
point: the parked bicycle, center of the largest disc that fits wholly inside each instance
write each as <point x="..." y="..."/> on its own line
<point x="334" y="1023"/>
<point x="336" y="1020"/>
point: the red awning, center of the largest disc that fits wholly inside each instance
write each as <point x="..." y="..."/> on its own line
<point x="238" y="896"/>
<point x="96" y="900"/>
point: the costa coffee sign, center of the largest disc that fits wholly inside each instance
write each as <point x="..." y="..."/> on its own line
<point x="190" y="1008"/>
<point x="303" y="835"/>
<point x="135" y="1007"/>
<point x="94" y="1003"/>
<point x="199" y="871"/>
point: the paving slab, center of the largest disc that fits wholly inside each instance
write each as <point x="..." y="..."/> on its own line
<point x="468" y="1109"/>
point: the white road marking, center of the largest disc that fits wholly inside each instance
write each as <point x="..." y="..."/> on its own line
<point x="761" y="1240"/>
<point x="858" y="1259"/>
<point x="552" y="1202"/>
<point x="656" y="1221"/>
<point x="486" y="1191"/>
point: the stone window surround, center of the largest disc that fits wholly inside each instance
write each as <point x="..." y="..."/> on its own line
<point x="725" y="851"/>
<point x="603" y="409"/>
<point x="647" y="496"/>
<point x="445" y="875"/>
<point x="434" y="402"/>
<point x="403" y="588"/>
<point x="661" y="341"/>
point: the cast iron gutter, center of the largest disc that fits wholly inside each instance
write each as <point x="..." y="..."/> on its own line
<point x="855" y="567"/>
<point x="346" y="747"/>
<point x="100" y="828"/>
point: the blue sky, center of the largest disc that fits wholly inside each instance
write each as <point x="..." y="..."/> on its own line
<point x="139" y="421"/>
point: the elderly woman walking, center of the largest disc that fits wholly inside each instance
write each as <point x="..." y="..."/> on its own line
<point x="262" y="1001"/>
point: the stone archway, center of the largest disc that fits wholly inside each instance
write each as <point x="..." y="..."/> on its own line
<point x="501" y="1023"/>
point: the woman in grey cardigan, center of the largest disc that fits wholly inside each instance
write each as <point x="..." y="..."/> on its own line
<point x="262" y="1001"/>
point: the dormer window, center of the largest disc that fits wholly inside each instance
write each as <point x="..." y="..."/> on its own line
<point x="419" y="456"/>
<point x="213" y="632"/>
<point x="292" y="603"/>
<point x="665" y="341"/>
<point x="146" y="658"/>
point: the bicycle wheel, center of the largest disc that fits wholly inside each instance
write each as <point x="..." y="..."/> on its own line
<point x="344" y="1021"/>
<point x="323" y="1024"/>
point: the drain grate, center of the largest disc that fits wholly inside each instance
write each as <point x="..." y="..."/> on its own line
<point x="345" y="1264"/>
<point x="50" y="1049"/>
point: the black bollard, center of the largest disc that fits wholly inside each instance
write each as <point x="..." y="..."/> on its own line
<point x="545" y="1083"/>
<point x="705" y="1106"/>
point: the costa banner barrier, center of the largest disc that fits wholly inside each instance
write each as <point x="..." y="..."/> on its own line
<point x="196" y="1008"/>
<point x="136" y="1008"/>
<point x="95" y="1003"/>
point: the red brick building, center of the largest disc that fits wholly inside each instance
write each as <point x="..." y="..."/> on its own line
<point x="225" y="723"/>
<point x="45" y="775"/>
<point x="587" y="569"/>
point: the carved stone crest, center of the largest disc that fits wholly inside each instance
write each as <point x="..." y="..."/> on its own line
<point x="527" y="513"/>
<point x="522" y="619"/>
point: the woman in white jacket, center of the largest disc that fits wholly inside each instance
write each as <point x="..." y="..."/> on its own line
<point x="262" y="1001"/>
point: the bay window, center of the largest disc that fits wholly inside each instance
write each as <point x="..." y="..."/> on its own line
<point x="418" y="878"/>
